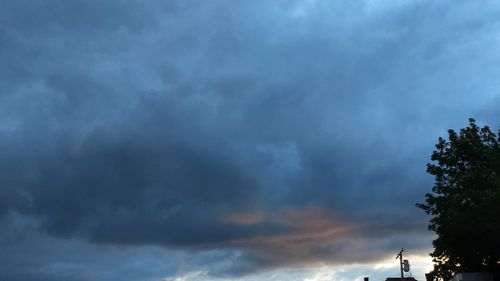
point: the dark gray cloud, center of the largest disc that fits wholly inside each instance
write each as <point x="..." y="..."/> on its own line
<point x="287" y="132"/>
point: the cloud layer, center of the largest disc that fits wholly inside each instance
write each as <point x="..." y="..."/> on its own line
<point x="272" y="133"/>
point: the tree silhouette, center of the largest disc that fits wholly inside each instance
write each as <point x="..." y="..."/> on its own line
<point x="465" y="202"/>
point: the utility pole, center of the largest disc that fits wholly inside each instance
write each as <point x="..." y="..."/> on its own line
<point x="400" y="256"/>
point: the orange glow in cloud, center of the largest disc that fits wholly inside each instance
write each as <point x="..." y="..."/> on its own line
<point x="310" y="230"/>
<point x="243" y="218"/>
<point x="315" y="236"/>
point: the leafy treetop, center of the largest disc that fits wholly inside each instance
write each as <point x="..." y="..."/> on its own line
<point x="465" y="202"/>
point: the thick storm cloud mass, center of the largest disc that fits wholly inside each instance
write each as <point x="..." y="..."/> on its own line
<point x="155" y="140"/>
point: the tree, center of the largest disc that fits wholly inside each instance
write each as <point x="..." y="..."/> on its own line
<point x="465" y="202"/>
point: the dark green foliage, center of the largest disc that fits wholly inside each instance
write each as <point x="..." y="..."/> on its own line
<point x="465" y="203"/>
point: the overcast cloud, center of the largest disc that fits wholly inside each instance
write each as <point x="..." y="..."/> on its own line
<point x="252" y="140"/>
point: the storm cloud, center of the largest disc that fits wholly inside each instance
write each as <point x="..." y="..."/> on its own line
<point x="261" y="134"/>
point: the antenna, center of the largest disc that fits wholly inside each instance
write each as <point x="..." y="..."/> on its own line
<point x="400" y="256"/>
<point x="406" y="266"/>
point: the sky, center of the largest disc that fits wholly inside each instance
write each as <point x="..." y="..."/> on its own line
<point x="231" y="140"/>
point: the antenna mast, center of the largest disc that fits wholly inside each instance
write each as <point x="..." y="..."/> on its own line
<point x="400" y="256"/>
